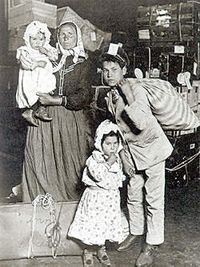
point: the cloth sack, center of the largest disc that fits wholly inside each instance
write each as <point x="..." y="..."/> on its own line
<point x="171" y="111"/>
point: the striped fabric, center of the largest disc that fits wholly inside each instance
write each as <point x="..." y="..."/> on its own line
<point x="171" y="111"/>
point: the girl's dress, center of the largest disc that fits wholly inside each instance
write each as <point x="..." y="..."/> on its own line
<point x="98" y="217"/>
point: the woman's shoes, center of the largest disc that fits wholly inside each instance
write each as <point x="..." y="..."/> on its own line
<point x="103" y="256"/>
<point x="88" y="260"/>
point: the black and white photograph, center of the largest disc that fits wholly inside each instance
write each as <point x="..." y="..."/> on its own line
<point x="99" y="133"/>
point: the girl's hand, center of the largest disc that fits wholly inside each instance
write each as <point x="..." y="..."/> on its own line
<point x="48" y="100"/>
<point x="112" y="159"/>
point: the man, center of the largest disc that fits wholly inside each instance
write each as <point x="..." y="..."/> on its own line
<point x="144" y="154"/>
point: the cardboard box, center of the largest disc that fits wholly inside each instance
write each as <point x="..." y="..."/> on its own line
<point x="32" y="10"/>
<point x="68" y="14"/>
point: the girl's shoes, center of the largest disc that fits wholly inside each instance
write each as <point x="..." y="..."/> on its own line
<point x="103" y="256"/>
<point x="88" y="260"/>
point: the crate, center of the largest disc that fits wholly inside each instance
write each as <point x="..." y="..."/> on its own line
<point x="170" y="22"/>
<point x="30" y="10"/>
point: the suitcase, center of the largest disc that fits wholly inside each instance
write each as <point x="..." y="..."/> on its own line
<point x="21" y="238"/>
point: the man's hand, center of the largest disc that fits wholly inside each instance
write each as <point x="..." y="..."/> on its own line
<point x="126" y="90"/>
<point x="128" y="168"/>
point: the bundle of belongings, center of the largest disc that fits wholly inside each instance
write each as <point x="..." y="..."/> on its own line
<point x="171" y="111"/>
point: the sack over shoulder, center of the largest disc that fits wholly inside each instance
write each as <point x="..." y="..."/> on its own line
<point x="171" y="111"/>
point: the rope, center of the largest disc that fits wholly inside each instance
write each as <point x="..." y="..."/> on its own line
<point x="184" y="163"/>
<point x="53" y="235"/>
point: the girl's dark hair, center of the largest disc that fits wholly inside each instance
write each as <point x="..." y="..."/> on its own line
<point x="121" y="57"/>
<point x="111" y="133"/>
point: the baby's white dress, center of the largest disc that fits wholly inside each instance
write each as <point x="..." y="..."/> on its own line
<point x="32" y="81"/>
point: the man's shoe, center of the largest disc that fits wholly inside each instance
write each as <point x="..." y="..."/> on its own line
<point x="146" y="257"/>
<point x="127" y="243"/>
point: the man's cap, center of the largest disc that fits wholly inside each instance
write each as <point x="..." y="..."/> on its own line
<point x="115" y="53"/>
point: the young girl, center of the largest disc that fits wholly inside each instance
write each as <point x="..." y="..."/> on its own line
<point x="98" y="216"/>
<point x="36" y="71"/>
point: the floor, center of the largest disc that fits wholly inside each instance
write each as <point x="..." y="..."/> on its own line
<point x="182" y="224"/>
<point x="182" y="241"/>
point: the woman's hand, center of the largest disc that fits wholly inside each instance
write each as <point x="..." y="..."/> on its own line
<point x="48" y="100"/>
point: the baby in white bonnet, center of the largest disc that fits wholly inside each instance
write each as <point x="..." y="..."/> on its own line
<point x="36" y="72"/>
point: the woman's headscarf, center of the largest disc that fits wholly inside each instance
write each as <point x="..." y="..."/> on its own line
<point x="77" y="51"/>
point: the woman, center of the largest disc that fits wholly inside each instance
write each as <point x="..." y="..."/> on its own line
<point x="56" y="151"/>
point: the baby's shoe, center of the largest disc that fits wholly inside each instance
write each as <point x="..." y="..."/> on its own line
<point x="103" y="256"/>
<point x="88" y="260"/>
<point x="29" y="117"/>
<point x="41" y="113"/>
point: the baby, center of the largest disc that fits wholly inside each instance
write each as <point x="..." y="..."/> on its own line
<point x="36" y="71"/>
